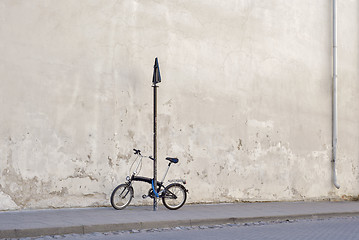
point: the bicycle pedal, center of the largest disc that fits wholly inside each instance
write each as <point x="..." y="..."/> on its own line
<point x="144" y="196"/>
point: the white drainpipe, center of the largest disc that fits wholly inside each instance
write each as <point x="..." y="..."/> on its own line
<point x="335" y="116"/>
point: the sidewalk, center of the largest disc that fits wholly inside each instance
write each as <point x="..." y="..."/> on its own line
<point x="16" y="224"/>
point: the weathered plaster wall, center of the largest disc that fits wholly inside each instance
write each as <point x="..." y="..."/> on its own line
<point x="245" y="101"/>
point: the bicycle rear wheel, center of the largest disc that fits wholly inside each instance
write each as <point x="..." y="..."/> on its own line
<point x="175" y="196"/>
<point x="121" y="196"/>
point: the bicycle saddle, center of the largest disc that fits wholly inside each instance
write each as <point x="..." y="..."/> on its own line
<point x="172" y="160"/>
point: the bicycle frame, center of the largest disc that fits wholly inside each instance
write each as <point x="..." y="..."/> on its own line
<point x="147" y="179"/>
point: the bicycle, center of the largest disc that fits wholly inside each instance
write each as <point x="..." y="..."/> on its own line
<point x="173" y="195"/>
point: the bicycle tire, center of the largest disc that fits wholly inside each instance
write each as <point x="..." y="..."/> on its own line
<point x="174" y="196"/>
<point x="121" y="196"/>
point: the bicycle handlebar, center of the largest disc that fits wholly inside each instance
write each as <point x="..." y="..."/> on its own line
<point x="137" y="151"/>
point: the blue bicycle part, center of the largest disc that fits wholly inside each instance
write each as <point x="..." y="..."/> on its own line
<point x="154" y="190"/>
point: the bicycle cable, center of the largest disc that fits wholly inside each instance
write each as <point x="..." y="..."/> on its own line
<point x="140" y="167"/>
<point x="132" y="166"/>
<point x="134" y="163"/>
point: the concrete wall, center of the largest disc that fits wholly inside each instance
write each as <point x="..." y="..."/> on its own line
<point x="245" y="102"/>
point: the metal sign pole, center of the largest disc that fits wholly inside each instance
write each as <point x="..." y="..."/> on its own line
<point x="156" y="79"/>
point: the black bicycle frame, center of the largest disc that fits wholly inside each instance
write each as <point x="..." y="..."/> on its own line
<point x="147" y="180"/>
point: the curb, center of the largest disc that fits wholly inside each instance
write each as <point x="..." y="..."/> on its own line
<point x="86" y="229"/>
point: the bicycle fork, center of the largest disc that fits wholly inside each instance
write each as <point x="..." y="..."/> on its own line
<point x="127" y="189"/>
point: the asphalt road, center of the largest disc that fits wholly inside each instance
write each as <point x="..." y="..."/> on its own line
<point x="319" y="229"/>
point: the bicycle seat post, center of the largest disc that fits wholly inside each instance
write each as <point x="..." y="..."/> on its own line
<point x="164" y="176"/>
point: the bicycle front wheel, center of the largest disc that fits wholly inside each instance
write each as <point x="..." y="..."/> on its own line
<point x="175" y="196"/>
<point x="121" y="196"/>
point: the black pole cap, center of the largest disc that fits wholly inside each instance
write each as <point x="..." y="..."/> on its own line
<point x="156" y="73"/>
